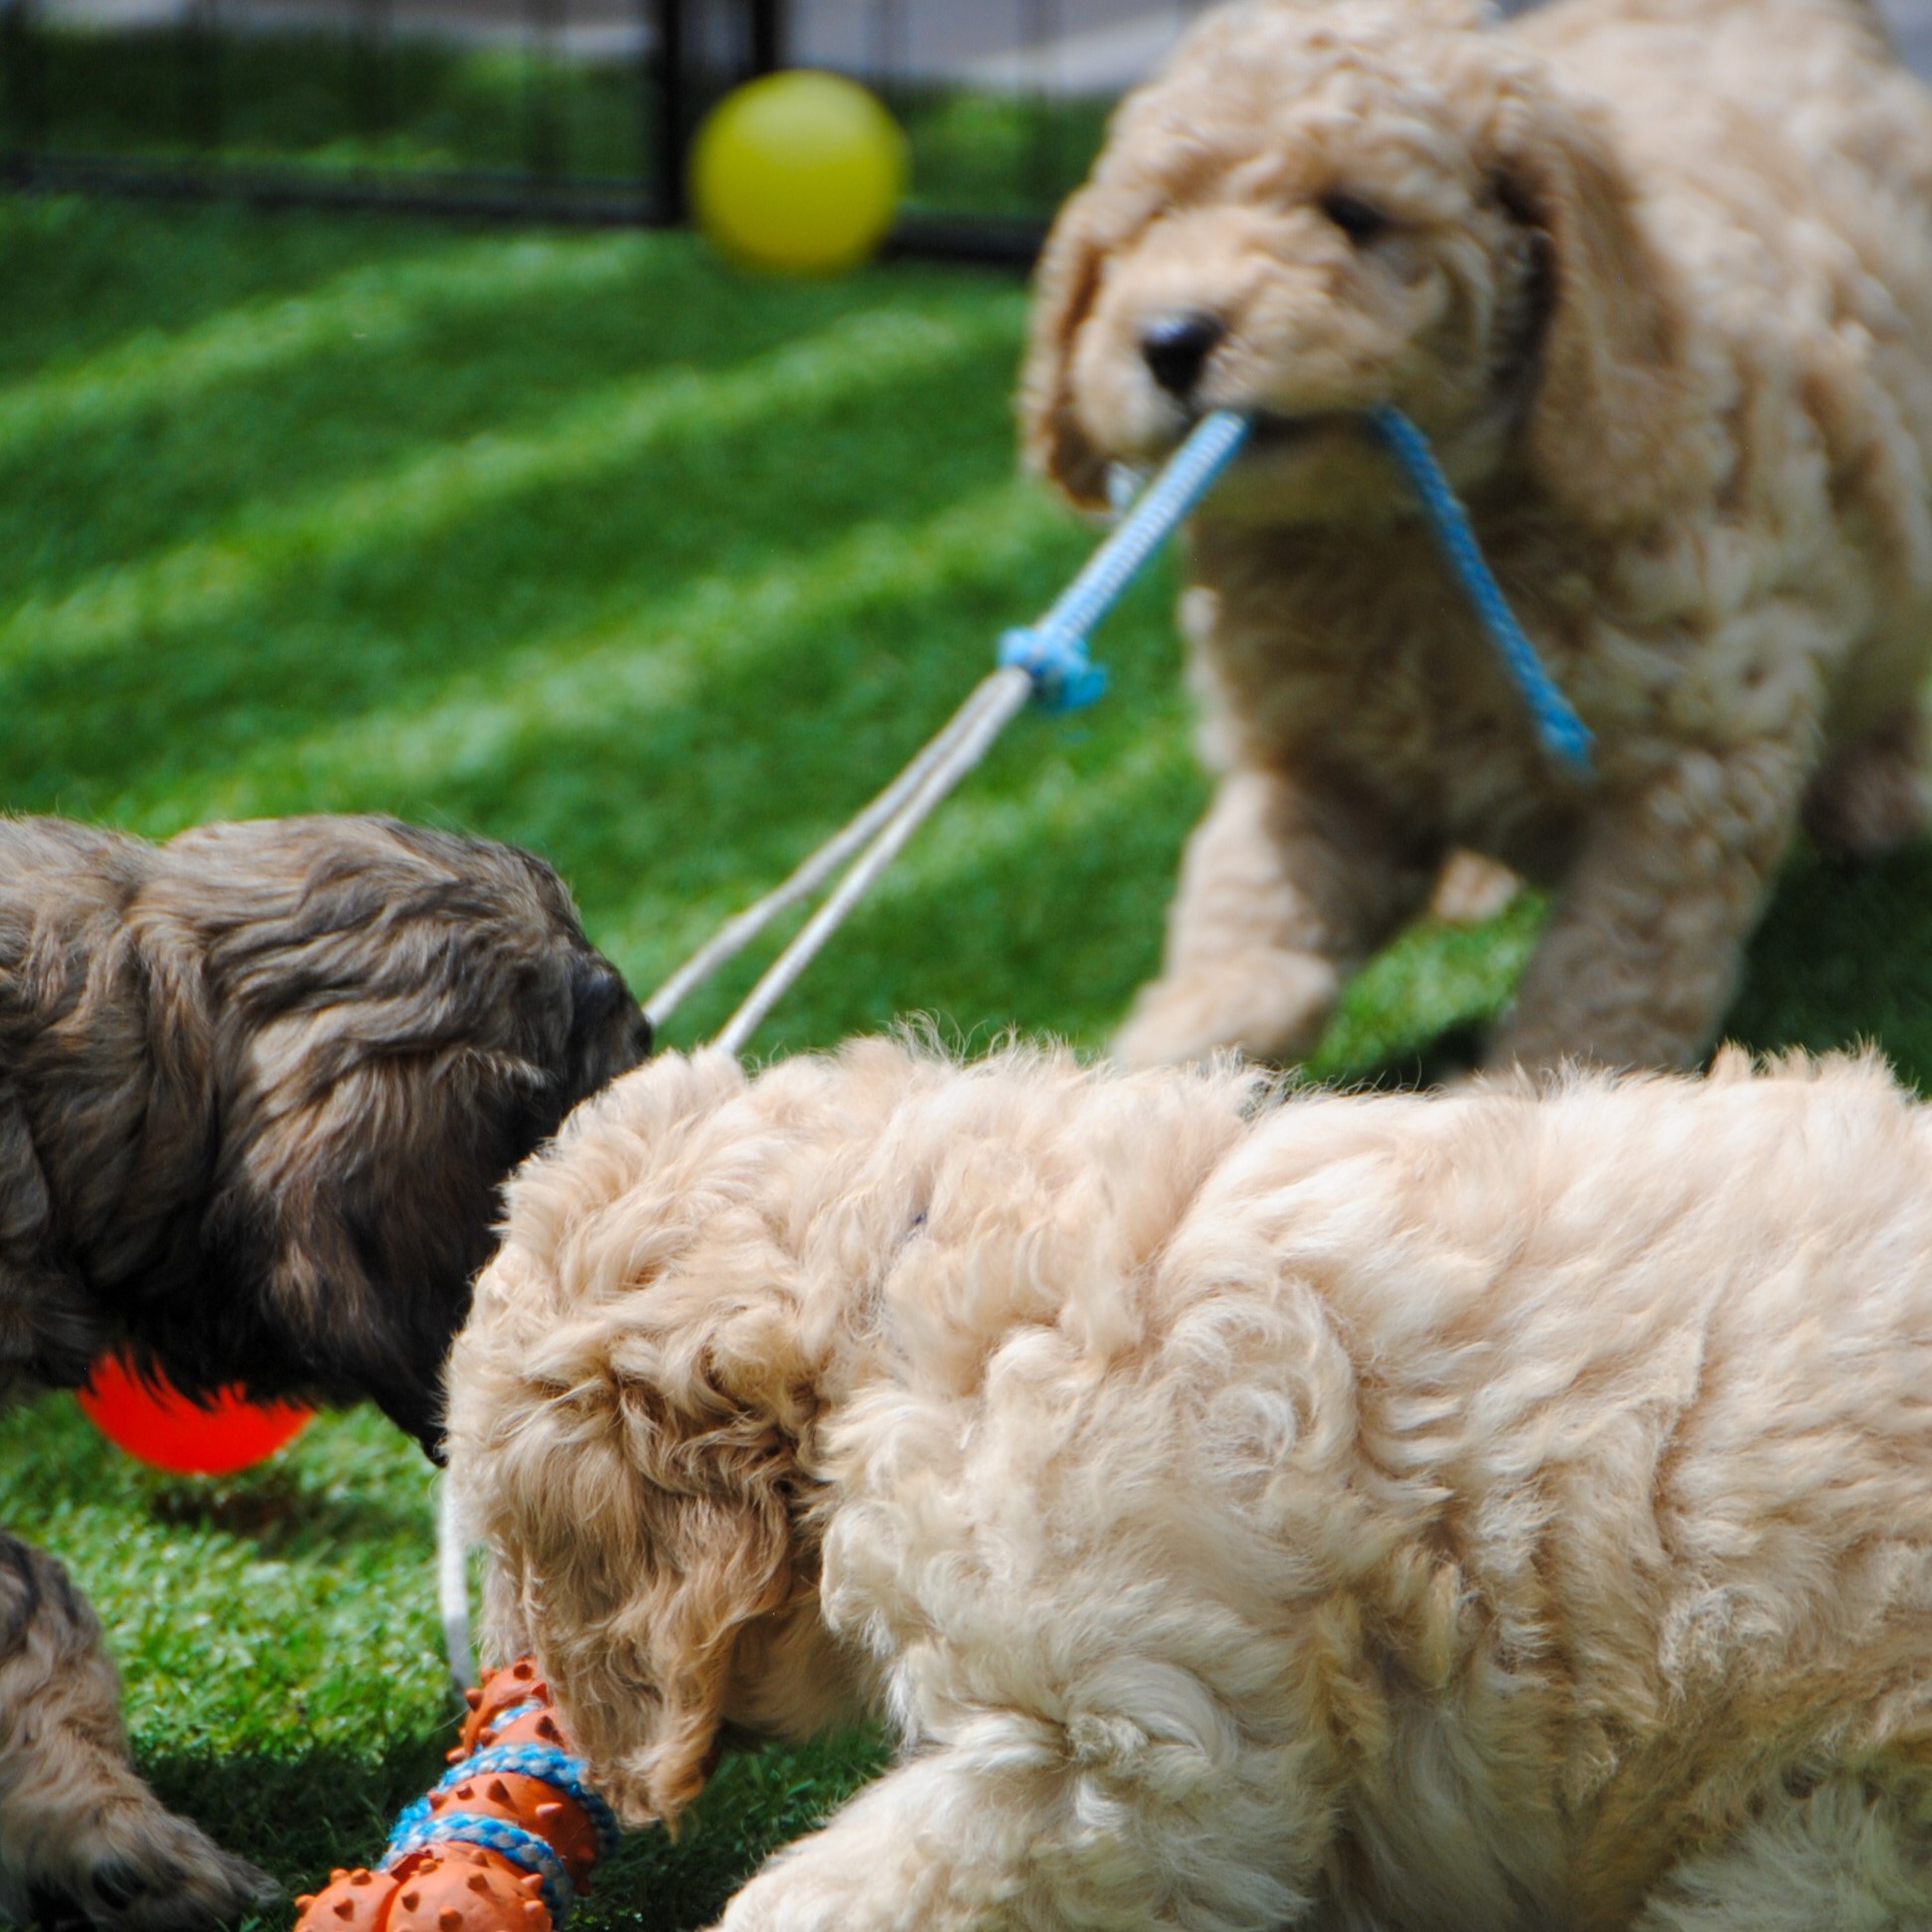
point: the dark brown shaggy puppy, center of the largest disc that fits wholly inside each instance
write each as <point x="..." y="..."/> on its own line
<point x="259" y="1087"/>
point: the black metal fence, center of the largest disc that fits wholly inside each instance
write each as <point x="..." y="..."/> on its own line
<point x="554" y="110"/>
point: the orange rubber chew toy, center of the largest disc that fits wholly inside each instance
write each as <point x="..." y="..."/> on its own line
<point x="504" y="1843"/>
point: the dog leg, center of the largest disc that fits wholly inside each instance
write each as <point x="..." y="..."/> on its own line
<point x="1641" y="952"/>
<point x="77" y="1828"/>
<point x="1839" y="1859"/>
<point x="967" y="1839"/>
<point x="1870" y="797"/>
<point x="1283" y="890"/>
<point x="1471" y="889"/>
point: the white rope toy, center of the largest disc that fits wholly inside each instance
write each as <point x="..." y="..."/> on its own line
<point x="1049" y="660"/>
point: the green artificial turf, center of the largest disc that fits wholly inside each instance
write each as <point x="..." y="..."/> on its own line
<point x="586" y="543"/>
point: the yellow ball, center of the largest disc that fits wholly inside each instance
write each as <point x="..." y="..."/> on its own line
<point x="797" y="171"/>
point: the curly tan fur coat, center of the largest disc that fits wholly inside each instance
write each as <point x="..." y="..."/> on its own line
<point x="1501" y="1512"/>
<point x="1656" y="276"/>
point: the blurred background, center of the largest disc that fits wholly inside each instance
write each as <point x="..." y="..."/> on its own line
<point x="572" y="108"/>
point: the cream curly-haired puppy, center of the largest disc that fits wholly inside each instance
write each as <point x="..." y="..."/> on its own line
<point x="1477" y="1513"/>
<point x="1656" y="276"/>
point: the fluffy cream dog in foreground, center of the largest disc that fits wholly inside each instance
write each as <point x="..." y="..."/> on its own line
<point x="1656" y="276"/>
<point x="1454" y="1514"/>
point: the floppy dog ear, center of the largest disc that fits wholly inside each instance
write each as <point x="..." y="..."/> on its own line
<point x="642" y="1513"/>
<point x="1064" y="290"/>
<point x="1609" y="398"/>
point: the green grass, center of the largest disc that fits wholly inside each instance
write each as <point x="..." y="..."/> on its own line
<point x="586" y="543"/>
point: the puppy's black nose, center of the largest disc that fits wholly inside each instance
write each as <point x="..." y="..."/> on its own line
<point x="1176" y="348"/>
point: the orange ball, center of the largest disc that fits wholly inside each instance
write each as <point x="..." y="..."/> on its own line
<point x="156" y="1424"/>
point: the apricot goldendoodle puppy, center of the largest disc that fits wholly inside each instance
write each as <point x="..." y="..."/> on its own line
<point x="259" y="1087"/>
<point x="1656" y="276"/>
<point x="1458" y="1513"/>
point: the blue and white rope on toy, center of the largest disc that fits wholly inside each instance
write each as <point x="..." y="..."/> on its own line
<point x="1048" y="662"/>
<point x="548" y="1765"/>
<point x="524" y="1849"/>
<point x="419" y="1826"/>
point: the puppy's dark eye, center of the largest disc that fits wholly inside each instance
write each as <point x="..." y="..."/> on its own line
<point x="1359" y="220"/>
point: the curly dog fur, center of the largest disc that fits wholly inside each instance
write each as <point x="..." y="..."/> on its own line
<point x="78" y="1831"/>
<point x="258" y="1089"/>
<point x="1498" y="1512"/>
<point x="1656" y="276"/>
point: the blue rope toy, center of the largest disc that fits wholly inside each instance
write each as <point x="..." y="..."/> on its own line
<point x="1053" y="651"/>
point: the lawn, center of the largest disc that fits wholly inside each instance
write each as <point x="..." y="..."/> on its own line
<point x="582" y="542"/>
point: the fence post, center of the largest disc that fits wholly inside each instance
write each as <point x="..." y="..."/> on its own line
<point x="22" y="92"/>
<point x="543" y="142"/>
<point x="664" y="112"/>
<point x="203" y="121"/>
<point x="368" y="68"/>
<point x="767" y="36"/>
<point x="1041" y="29"/>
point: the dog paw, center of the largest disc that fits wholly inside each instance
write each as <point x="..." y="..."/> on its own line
<point x="156" y="1872"/>
<point x="1471" y="889"/>
<point x="1868" y="801"/>
<point x="1272" y="1006"/>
